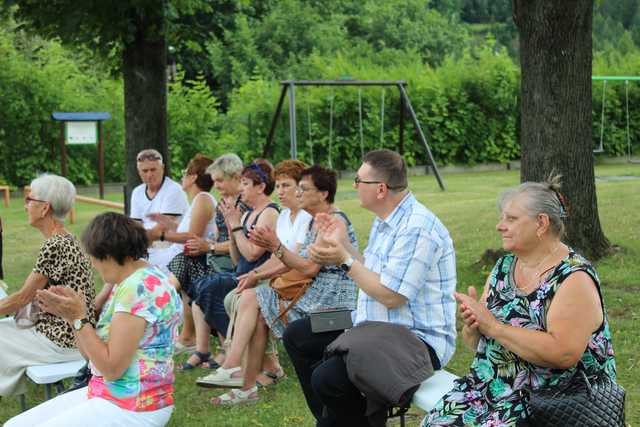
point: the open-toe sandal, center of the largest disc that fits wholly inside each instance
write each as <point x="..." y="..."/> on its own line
<point x="274" y="377"/>
<point x="236" y="396"/>
<point x="202" y="359"/>
<point x="222" y="377"/>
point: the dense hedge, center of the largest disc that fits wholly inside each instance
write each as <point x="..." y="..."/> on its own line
<point x="468" y="107"/>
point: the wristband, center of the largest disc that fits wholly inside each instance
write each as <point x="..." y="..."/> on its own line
<point x="162" y="236"/>
<point x="234" y="229"/>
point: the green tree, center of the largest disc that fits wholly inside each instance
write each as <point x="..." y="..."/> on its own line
<point x="133" y="33"/>
<point x="556" y="132"/>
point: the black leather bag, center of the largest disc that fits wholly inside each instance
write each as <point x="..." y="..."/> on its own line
<point x="585" y="401"/>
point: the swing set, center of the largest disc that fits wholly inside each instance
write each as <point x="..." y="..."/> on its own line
<point x="605" y="79"/>
<point x="289" y="87"/>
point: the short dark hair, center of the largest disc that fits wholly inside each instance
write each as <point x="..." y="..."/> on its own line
<point x="260" y="172"/>
<point x="198" y="166"/>
<point x="289" y="169"/>
<point x="114" y="235"/>
<point x="389" y="167"/>
<point x="324" y="179"/>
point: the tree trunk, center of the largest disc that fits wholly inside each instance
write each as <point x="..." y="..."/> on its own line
<point x="145" y="90"/>
<point x="556" y="133"/>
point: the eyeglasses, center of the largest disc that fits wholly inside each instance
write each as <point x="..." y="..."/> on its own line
<point x="300" y="189"/>
<point x="358" y="181"/>
<point x="30" y="199"/>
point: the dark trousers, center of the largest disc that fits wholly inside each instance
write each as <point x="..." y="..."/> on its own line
<point x="209" y="293"/>
<point x="332" y="398"/>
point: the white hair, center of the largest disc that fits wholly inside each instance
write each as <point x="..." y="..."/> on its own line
<point x="229" y="164"/>
<point x="57" y="190"/>
<point x="540" y="198"/>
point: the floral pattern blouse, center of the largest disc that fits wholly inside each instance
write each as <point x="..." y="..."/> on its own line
<point x="495" y="392"/>
<point x="147" y="384"/>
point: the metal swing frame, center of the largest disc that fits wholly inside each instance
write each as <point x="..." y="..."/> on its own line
<point x="605" y="79"/>
<point x="289" y="87"/>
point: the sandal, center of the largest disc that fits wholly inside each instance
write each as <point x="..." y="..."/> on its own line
<point x="221" y="378"/>
<point x="179" y="348"/>
<point x="274" y="377"/>
<point x="202" y="359"/>
<point x="236" y="396"/>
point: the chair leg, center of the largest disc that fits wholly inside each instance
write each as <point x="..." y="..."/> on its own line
<point x="22" y="399"/>
<point x="47" y="391"/>
<point x="59" y="387"/>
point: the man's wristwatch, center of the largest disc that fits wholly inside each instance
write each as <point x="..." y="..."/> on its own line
<point x="279" y="253"/>
<point x="79" y="323"/>
<point x="346" y="265"/>
<point x="212" y="248"/>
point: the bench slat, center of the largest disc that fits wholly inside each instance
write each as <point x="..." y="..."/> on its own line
<point x="432" y="389"/>
<point x="48" y="374"/>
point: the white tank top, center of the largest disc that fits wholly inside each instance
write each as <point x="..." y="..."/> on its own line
<point x="163" y="257"/>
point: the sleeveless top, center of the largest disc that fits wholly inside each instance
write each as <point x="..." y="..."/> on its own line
<point x="245" y="265"/>
<point x="163" y="257"/>
<point x="497" y="386"/>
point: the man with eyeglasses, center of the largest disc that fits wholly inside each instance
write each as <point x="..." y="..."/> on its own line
<point x="157" y="193"/>
<point x="405" y="316"/>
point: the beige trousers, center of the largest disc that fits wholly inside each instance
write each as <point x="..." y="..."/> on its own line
<point x="21" y="348"/>
<point x="231" y="303"/>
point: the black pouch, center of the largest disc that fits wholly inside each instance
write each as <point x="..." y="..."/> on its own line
<point x="337" y="319"/>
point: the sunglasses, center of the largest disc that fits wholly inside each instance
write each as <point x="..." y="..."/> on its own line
<point x="150" y="156"/>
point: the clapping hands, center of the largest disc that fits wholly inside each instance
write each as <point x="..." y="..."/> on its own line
<point x="63" y="302"/>
<point x="475" y="314"/>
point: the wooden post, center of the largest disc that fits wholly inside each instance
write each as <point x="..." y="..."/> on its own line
<point x="100" y="160"/>
<point x="63" y="151"/>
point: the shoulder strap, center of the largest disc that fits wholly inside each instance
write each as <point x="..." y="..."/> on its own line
<point x="270" y="205"/>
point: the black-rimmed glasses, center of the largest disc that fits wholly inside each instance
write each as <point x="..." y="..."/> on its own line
<point x="30" y="199"/>
<point x="357" y="180"/>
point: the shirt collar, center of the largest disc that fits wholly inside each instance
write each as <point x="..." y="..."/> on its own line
<point x="398" y="213"/>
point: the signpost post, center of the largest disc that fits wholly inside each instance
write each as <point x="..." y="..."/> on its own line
<point x="82" y="128"/>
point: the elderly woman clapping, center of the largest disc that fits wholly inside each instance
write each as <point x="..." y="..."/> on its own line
<point x="42" y="338"/>
<point x="540" y="314"/>
<point x="131" y="347"/>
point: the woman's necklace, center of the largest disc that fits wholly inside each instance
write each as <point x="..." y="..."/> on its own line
<point x="537" y="270"/>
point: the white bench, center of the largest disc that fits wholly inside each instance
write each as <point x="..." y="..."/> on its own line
<point x="433" y="388"/>
<point x="51" y="374"/>
<point x="428" y="394"/>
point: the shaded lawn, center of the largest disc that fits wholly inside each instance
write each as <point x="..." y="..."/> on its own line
<point x="468" y="208"/>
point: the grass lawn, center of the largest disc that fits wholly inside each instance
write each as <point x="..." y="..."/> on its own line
<point x="468" y="209"/>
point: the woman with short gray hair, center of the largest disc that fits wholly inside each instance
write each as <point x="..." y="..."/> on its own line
<point x="34" y="337"/>
<point x="540" y="315"/>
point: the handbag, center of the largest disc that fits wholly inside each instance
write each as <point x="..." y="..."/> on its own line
<point x="290" y="287"/>
<point x="585" y="401"/>
<point x="27" y="316"/>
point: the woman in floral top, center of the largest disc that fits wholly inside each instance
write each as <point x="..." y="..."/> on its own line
<point x="130" y="350"/>
<point x="540" y="314"/>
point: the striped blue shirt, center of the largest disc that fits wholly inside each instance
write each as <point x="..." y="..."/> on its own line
<point x="412" y="252"/>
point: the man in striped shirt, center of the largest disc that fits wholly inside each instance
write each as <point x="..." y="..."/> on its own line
<point x="406" y="277"/>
